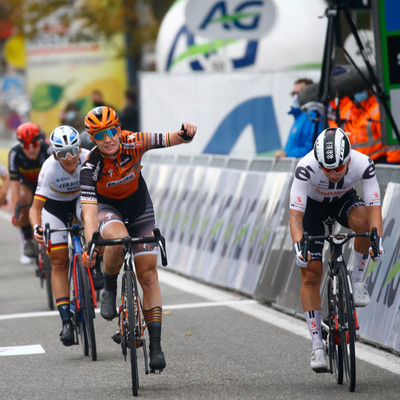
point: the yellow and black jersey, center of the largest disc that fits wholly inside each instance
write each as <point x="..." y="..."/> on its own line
<point x="22" y="169"/>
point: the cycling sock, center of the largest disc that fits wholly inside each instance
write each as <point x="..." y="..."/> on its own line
<point x="153" y="318"/>
<point x="111" y="270"/>
<point x="313" y="319"/>
<point x="110" y="282"/>
<point x="360" y="262"/>
<point x="27" y="232"/>
<point x="63" y="308"/>
<point x="99" y="259"/>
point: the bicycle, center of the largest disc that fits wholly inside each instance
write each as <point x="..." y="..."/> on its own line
<point x="83" y="295"/>
<point x="43" y="264"/>
<point x="131" y="324"/>
<point x="339" y="329"/>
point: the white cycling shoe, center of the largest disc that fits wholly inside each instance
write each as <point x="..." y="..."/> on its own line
<point x="360" y="294"/>
<point x="318" y="360"/>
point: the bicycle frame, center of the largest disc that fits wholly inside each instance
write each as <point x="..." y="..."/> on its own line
<point x="339" y="330"/>
<point x="80" y="281"/>
<point x="131" y="324"/>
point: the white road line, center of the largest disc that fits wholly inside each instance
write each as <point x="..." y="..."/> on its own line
<point x="21" y="350"/>
<point x="372" y="355"/>
<point x="217" y="297"/>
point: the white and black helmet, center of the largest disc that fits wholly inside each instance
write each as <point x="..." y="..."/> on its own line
<point x="332" y="148"/>
<point x="65" y="140"/>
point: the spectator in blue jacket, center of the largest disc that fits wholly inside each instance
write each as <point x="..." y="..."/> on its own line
<point x="301" y="135"/>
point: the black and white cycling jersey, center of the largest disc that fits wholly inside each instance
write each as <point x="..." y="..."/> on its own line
<point x="311" y="181"/>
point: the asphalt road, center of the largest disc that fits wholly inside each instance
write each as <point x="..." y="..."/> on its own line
<point x="218" y="345"/>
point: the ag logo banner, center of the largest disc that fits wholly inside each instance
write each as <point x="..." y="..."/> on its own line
<point x="230" y="19"/>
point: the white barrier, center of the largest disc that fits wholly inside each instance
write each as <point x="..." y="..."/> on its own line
<point x="226" y="222"/>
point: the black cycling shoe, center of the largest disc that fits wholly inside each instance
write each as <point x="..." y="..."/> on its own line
<point x="157" y="360"/>
<point x="98" y="278"/>
<point x="67" y="334"/>
<point x="107" y="309"/>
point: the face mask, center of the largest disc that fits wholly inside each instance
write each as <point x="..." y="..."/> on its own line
<point x="359" y="97"/>
<point x="70" y="115"/>
<point x="295" y="101"/>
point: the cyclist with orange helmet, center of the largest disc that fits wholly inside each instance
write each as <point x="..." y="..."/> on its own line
<point x="24" y="162"/>
<point x="116" y="202"/>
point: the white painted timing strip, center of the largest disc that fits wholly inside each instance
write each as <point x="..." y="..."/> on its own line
<point x="21" y="350"/>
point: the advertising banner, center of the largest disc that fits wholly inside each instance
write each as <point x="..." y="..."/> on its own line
<point x="379" y="321"/>
<point x="240" y="115"/>
<point x="66" y="65"/>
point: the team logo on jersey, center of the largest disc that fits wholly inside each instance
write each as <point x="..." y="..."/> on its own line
<point x="88" y="165"/>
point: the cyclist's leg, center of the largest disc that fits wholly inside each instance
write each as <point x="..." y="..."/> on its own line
<point x="354" y="215"/>
<point x="59" y="259"/>
<point x="111" y="226"/>
<point x="146" y="269"/>
<point x="311" y="277"/>
<point x="311" y="300"/>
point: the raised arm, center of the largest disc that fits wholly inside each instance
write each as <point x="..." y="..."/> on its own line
<point x="185" y="135"/>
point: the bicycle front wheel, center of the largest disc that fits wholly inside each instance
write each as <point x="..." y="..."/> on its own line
<point x="347" y="326"/>
<point x="49" y="288"/>
<point x="132" y="337"/>
<point x="334" y="347"/>
<point x="87" y="307"/>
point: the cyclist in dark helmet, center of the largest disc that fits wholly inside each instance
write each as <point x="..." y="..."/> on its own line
<point x="24" y="162"/>
<point x="323" y="186"/>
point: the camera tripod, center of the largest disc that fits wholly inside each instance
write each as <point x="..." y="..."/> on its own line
<point x="333" y="41"/>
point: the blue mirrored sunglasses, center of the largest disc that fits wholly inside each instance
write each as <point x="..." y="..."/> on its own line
<point x="63" y="154"/>
<point x="111" y="132"/>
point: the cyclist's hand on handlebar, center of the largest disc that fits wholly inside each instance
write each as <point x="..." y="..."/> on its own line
<point x="85" y="259"/>
<point x="187" y="131"/>
<point x="381" y="252"/>
<point x="38" y="233"/>
<point x="299" y="250"/>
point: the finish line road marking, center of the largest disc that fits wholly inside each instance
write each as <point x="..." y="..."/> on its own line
<point x="21" y="350"/>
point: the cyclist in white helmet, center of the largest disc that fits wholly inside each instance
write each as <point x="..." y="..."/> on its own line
<point x="58" y="194"/>
<point x="323" y="186"/>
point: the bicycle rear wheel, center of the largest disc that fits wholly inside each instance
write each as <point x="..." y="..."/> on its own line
<point x="347" y="327"/>
<point x="334" y="347"/>
<point x="87" y="307"/>
<point x="132" y="337"/>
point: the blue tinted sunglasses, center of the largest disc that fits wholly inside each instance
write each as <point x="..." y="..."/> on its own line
<point x="111" y="132"/>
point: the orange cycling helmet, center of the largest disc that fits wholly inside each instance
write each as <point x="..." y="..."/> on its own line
<point x="28" y="134"/>
<point x="101" y="118"/>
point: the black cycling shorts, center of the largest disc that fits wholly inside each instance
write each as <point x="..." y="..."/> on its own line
<point x="140" y="225"/>
<point x="316" y="213"/>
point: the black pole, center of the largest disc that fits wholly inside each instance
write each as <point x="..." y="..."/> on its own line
<point x="378" y="89"/>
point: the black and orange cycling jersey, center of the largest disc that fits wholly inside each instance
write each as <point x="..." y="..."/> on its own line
<point x="22" y="169"/>
<point x="119" y="182"/>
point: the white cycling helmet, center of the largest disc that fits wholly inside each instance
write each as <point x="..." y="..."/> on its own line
<point x="332" y="148"/>
<point x="65" y="140"/>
